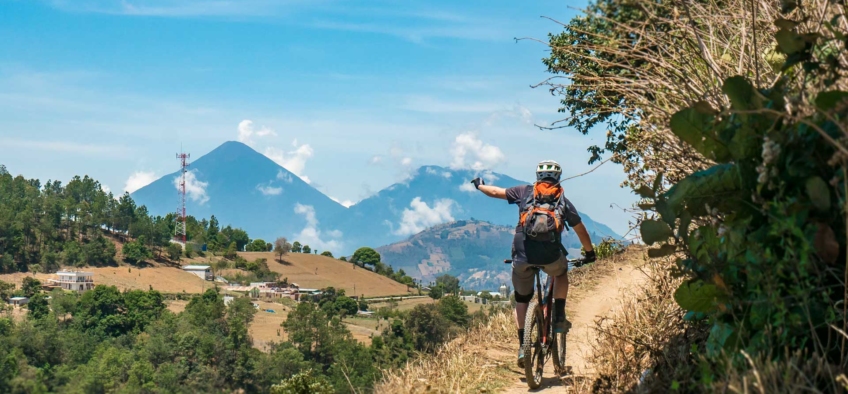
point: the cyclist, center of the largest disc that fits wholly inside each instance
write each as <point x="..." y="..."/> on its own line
<point x="542" y="209"/>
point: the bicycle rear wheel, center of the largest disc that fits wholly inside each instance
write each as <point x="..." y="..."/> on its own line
<point x="534" y="355"/>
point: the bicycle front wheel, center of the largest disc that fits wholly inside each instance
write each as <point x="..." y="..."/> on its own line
<point x="558" y="352"/>
<point x="534" y="356"/>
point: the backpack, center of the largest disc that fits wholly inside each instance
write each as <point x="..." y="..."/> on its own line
<point x="541" y="222"/>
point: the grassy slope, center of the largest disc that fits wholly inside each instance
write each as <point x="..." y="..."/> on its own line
<point x="315" y="272"/>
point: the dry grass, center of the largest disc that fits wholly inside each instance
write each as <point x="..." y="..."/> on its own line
<point x="316" y="272"/>
<point x="460" y="366"/>
<point x="647" y="334"/>
<point x="157" y="277"/>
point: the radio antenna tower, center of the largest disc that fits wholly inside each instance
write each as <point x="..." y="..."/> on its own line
<point x="180" y="229"/>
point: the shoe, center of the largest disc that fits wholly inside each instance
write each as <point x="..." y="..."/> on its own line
<point x="561" y="324"/>
<point x="521" y="357"/>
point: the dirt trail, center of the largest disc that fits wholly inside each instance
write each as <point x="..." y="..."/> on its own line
<point x="591" y="303"/>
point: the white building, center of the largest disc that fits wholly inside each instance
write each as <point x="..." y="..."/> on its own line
<point x="203" y="271"/>
<point x="18" y="301"/>
<point x="74" y="280"/>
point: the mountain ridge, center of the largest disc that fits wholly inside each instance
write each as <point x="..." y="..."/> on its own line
<point x="242" y="187"/>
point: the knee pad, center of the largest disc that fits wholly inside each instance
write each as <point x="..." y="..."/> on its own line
<point x="523" y="299"/>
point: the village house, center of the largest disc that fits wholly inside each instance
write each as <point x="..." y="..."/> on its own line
<point x="78" y="281"/>
<point x="202" y="271"/>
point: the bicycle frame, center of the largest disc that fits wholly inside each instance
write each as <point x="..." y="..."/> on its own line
<point x="545" y="302"/>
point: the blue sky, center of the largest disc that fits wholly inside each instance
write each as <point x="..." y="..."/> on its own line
<point x="349" y="95"/>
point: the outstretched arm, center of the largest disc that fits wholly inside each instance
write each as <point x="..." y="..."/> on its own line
<point x="493" y="191"/>
<point x="583" y="234"/>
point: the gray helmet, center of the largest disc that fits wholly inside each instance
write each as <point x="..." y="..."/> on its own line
<point x="548" y="169"/>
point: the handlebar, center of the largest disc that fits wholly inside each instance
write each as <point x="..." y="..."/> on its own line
<point x="577" y="262"/>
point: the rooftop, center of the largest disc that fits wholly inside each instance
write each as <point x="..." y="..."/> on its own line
<point x="196" y="267"/>
<point x="80" y="273"/>
<point x="17" y="298"/>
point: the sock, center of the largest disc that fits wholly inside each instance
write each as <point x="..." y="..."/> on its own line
<point x="559" y="306"/>
<point x="520" y="336"/>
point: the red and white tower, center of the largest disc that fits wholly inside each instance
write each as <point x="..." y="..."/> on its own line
<point x="180" y="229"/>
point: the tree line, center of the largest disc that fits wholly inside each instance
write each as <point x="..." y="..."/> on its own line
<point x="44" y="226"/>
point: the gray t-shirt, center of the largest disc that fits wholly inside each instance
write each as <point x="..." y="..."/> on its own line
<point x="518" y="195"/>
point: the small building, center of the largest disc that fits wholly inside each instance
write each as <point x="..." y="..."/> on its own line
<point x="18" y="301"/>
<point x="202" y="271"/>
<point x="74" y="280"/>
<point x="228" y="299"/>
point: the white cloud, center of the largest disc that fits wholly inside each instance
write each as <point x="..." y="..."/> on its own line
<point x="138" y="180"/>
<point x="106" y="189"/>
<point x="294" y="161"/>
<point x="376" y="159"/>
<point x="470" y="152"/>
<point x="431" y="171"/>
<point x="345" y="203"/>
<point x="419" y="216"/>
<point x="269" y="190"/>
<point x="283" y="176"/>
<point x="447" y="174"/>
<point x="311" y="235"/>
<point x="195" y="189"/>
<point x="246" y="132"/>
<point x="406" y="161"/>
<point x="467" y="187"/>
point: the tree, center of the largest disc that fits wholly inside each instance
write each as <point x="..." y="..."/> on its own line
<point x="436" y="292"/>
<point x="343" y="258"/>
<point x="230" y="253"/>
<point x="38" y="307"/>
<point x="282" y="247"/>
<point x="6" y="290"/>
<point x="175" y="251"/>
<point x="453" y="309"/>
<point x="135" y="251"/>
<point x="346" y="306"/>
<point x="428" y="327"/>
<point x="257" y="245"/>
<point x="307" y="249"/>
<point x="365" y="256"/>
<point x="30" y="286"/>
<point x="297" y="247"/>
<point x="327" y="253"/>
<point x="449" y="283"/>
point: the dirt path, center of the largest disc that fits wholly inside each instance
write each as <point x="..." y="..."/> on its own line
<point x="591" y="303"/>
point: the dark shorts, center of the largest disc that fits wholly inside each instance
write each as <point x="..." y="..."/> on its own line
<point x="522" y="275"/>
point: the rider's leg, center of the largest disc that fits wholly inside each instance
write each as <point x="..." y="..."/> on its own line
<point x="522" y="282"/>
<point x="559" y="270"/>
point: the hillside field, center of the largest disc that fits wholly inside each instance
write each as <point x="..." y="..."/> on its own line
<point x="124" y="277"/>
<point x="315" y="272"/>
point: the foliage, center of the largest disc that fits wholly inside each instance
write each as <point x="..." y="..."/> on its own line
<point x="327" y="253"/>
<point x="282" y="247"/>
<point x="454" y="310"/>
<point x="427" y="327"/>
<point x="63" y="302"/>
<point x="6" y="290"/>
<point x="436" y="292"/>
<point x="608" y="247"/>
<point x="257" y="245"/>
<point x="758" y="230"/>
<point x="297" y="247"/>
<point x="76" y="225"/>
<point x="449" y="283"/>
<point x="175" y="251"/>
<point x="30" y="286"/>
<point x="365" y="256"/>
<point x="306" y="249"/>
<point x="38" y="307"/>
<point x="306" y="382"/>
<point x="135" y="252"/>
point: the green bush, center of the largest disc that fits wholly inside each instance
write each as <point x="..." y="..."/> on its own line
<point x="763" y="230"/>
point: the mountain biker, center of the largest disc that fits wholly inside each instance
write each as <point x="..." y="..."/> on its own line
<point x="550" y="256"/>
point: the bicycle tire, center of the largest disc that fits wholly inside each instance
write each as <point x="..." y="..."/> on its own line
<point x="534" y="357"/>
<point x="558" y="352"/>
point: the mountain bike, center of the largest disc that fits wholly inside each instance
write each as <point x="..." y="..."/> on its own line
<point x="540" y="342"/>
